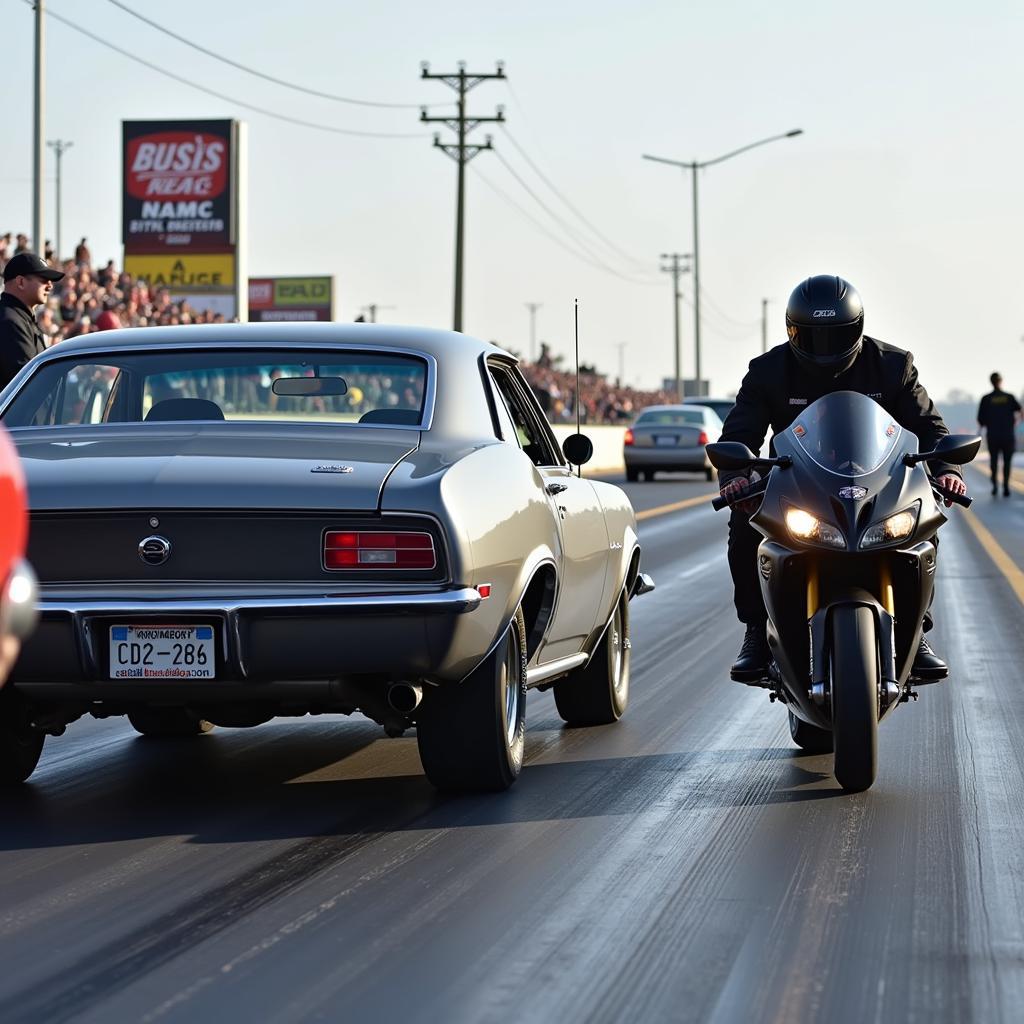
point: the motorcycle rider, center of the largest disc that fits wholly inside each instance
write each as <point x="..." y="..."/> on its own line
<point x="827" y="351"/>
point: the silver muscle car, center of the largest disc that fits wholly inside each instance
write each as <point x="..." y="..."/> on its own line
<point x="233" y="522"/>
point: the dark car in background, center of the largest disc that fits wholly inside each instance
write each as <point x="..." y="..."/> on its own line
<point x="722" y="406"/>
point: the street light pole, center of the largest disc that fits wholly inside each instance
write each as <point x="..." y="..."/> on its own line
<point x="693" y="166"/>
<point x="59" y="147"/>
<point x="764" y="326"/>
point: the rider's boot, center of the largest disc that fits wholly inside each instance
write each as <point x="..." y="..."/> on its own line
<point x="928" y="666"/>
<point x="752" y="662"/>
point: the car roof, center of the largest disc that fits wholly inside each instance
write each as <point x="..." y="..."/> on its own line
<point x="429" y="340"/>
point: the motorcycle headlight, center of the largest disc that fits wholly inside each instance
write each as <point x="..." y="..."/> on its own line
<point x="888" y="531"/>
<point x="804" y="526"/>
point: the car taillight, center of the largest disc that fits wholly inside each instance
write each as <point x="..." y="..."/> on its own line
<point x="378" y="550"/>
<point x="703" y="439"/>
<point x="628" y="438"/>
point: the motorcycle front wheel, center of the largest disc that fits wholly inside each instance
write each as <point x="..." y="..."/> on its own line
<point x="854" y="692"/>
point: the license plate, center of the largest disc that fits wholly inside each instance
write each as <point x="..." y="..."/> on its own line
<point x="663" y="440"/>
<point x="162" y="652"/>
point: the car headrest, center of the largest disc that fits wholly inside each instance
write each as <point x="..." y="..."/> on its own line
<point x="185" y="409"/>
<point x="398" y="417"/>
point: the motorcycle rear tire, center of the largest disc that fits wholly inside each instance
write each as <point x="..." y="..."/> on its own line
<point x="854" y="693"/>
<point x="809" y="738"/>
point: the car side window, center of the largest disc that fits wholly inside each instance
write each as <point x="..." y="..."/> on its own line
<point x="533" y="439"/>
<point x="505" y="425"/>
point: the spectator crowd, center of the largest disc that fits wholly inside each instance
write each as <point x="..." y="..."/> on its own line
<point x="601" y="400"/>
<point x="94" y="299"/>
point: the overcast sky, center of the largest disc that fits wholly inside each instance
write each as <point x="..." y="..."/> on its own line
<point x="906" y="181"/>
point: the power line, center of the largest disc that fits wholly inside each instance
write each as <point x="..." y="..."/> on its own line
<point x="584" y="244"/>
<point x="254" y="71"/>
<point x="555" y="238"/>
<point x="618" y="250"/>
<point x="229" y="99"/>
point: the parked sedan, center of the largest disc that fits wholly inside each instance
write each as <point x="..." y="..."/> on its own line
<point x="232" y="522"/>
<point x="670" y="438"/>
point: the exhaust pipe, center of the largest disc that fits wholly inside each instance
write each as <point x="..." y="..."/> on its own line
<point x="405" y="697"/>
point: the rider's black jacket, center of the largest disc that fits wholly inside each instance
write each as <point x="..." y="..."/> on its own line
<point x="777" y="389"/>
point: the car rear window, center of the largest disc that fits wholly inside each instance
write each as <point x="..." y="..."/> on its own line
<point x="670" y="418"/>
<point x="287" y="385"/>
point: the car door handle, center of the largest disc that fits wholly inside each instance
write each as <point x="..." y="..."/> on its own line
<point x="556" y="488"/>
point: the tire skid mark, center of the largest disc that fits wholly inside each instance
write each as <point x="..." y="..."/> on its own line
<point x="113" y="967"/>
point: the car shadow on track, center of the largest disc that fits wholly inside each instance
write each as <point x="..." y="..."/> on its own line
<point x="226" y="788"/>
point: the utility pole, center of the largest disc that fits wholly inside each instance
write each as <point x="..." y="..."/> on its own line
<point x="38" y="150"/>
<point x="764" y="326"/>
<point x="621" y="346"/>
<point x="676" y="269"/>
<point x="59" y="147"/>
<point x="461" y="152"/>
<point x="533" y="307"/>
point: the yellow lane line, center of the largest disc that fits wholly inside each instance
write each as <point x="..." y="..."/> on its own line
<point x="661" y="510"/>
<point x="1004" y="563"/>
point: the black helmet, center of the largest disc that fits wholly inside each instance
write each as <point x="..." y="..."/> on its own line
<point x="825" y="324"/>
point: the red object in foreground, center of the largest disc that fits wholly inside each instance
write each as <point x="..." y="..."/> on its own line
<point x="373" y="550"/>
<point x="13" y="509"/>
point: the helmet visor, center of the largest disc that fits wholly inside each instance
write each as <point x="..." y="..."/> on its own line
<point x="825" y="344"/>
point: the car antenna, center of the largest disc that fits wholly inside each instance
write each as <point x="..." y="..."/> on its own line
<point x="576" y="331"/>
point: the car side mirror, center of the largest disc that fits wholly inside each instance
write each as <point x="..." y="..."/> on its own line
<point x="956" y="449"/>
<point x="578" y="449"/>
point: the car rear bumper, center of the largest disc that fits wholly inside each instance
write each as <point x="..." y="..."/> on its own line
<point x="295" y="637"/>
<point x="666" y="457"/>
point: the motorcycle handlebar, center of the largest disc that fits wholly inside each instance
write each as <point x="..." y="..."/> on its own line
<point x="957" y="499"/>
<point x="751" y="492"/>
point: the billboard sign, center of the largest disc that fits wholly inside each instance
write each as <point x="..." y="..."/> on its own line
<point x="290" y="299"/>
<point x="179" y="186"/>
<point x="192" y="271"/>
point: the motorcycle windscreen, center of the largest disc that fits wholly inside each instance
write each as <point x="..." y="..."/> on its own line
<point x="846" y="433"/>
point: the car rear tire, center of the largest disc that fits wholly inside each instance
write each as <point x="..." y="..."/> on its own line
<point x="167" y="723"/>
<point x="598" y="693"/>
<point x="648" y="474"/>
<point x="709" y="474"/>
<point x="809" y="738"/>
<point x="632" y="475"/>
<point x="20" y="744"/>
<point x="472" y="735"/>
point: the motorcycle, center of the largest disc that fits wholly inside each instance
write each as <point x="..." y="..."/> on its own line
<point x="849" y="517"/>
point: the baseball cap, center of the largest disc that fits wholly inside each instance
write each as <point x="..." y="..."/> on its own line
<point x="28" y="263"/>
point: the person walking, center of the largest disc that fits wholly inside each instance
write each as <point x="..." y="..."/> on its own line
<point x="999" y="413"/>
<point x="28" y="281"/>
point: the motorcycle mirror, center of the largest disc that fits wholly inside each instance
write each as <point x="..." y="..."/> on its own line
<point x="956" y="449"/>
<point x="578" y="449"/>
<point x="730" y="455"/>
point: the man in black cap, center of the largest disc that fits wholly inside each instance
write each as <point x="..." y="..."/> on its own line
<point x="28" y="281"/>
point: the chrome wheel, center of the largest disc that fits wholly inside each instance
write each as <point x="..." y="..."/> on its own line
<point x="511" y="673"/>
<point x="617" y="651"/>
